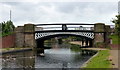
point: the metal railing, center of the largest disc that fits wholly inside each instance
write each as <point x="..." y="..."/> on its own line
<point x="41" y="27"/>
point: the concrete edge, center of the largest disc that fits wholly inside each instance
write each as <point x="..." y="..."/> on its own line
<point x="12" y="51"/>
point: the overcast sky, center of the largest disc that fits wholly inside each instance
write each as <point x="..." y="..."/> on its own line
<point x="49" y="12"/>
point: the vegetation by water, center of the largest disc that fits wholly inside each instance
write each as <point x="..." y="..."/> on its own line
<point x="115" y="39"/>
<point x="117" y="24"/>
<point x="100" y="61"/>
<point x="75" y="48"/>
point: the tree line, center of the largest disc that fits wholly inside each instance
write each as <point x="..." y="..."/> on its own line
<point x="117" y="24"/>
<point x="6" y="28"/>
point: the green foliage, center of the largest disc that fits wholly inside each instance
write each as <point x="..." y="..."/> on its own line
<point x="75" y="48"/>
<point x="7" y="28"/>
<point x="115" y="39"/>
<point x="100" y="61"/>
<point x="117" y="24"/>
<point x="75" y="38"/>
<point x="99" y="44"/>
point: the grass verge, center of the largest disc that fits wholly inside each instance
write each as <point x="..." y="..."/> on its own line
<point x="115" y="39"/>
<point x="100" y="60"/>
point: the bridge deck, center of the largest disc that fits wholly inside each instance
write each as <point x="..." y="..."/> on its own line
<point x="65" y="24"/>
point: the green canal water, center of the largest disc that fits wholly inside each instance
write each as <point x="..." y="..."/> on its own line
<point x="59" y="57"/>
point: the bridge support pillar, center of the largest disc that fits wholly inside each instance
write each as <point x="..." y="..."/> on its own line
<point x="82" y="42"/>
<point x="24" y="36"/>
<point x="19" y="36"/>
<point x="99" y="36"/>
<point x="86" y="43"/>
<point x="40" y="50"/>
<point x="108" y="32"/>
<point x="90" y="43"/>
<point x="29" y="35"/>
<point x="40" y="46"/>
<point x="60" y="41"/>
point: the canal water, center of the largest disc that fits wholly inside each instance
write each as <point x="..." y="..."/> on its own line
<point x="59" y="57"/>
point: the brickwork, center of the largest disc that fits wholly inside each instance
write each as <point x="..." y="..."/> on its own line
<point x="99" y="30"/>
<point x="99" y="37"/>
<point x="7" y="41"/>
<point x="29" y="35"/>
<point x="24" y="36"/>
<point x="19" y="36"/>
<point x="29" y="40"/>
<point x="99" y="27"/>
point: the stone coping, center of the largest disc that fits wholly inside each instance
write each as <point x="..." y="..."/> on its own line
<point x="14" y="50"/>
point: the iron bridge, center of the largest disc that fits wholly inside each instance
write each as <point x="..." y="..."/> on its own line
<point x="85" y="30"/>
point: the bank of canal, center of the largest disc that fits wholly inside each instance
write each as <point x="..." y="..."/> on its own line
<point x="99" y="60"/>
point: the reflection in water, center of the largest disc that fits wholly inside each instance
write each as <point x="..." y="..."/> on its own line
<point x="18" y="60"/>
<point x="59" y="56"/>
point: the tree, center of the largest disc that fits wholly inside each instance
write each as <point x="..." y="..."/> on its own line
<point x="117" y="24"/>
<point x="6" y="28"/>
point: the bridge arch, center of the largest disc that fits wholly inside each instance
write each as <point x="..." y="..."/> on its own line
<point x="40" y="41"/>
<point x="57" y="35"/>
<point x="45" y="34"/>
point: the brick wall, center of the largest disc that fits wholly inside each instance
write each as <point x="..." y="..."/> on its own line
<point x="7" y="41"/>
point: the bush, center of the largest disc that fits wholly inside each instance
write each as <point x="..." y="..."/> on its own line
<point x="100" y="45"/>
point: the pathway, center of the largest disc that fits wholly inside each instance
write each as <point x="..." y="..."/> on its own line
<point x="114" y="58"/>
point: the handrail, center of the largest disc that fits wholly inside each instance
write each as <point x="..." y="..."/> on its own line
<point x="64" y="24"/>
<point x="61" y="27"/>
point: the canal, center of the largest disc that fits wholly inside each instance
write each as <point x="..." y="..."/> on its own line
<point x="59" y="56"/>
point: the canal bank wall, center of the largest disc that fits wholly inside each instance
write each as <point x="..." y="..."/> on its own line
<point x="14" y="51"/>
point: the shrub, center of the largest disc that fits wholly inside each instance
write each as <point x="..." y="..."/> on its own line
<point x="100" y="45"/>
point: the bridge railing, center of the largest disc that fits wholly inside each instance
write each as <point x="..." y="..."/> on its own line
<point x="42" y="27"/>
<point x="60" y="28"/>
